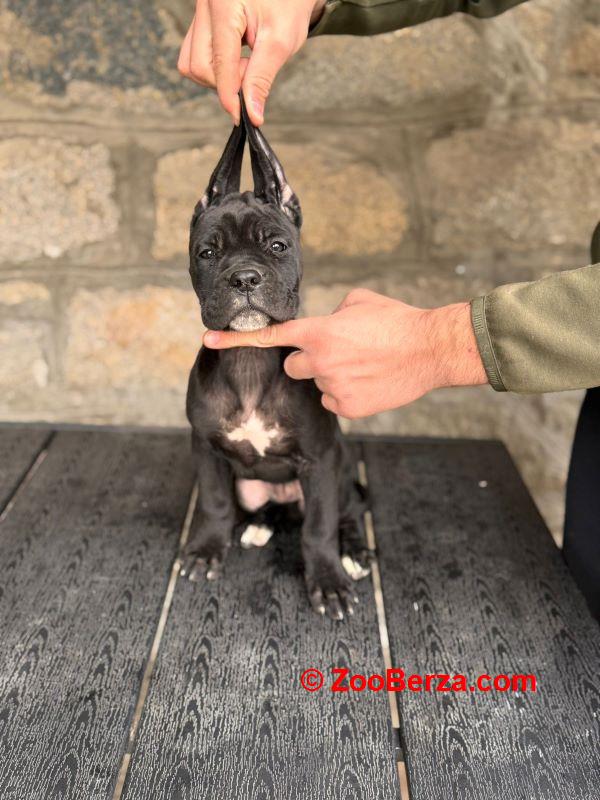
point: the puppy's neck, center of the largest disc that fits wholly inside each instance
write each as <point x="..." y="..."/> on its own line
<point x="251" y="372"/>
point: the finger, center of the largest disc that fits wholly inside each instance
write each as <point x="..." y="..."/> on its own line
<point x="298" y="366"/>
<point x="201" y="68"/>
<point x="243" y="67"/>
<point x="271" y="51"/>
<point x="228" y="28"/>
<point x="295" y="333"/>
<point x="183" y="62"/>
<point x="330" y="403"/>
<point x="326" y="387"/>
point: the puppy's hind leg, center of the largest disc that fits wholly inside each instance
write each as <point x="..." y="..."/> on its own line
<point x="356" y="556"/>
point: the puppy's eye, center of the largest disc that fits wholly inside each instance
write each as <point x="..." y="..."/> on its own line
<point x="278" y="247"/>
<point x="207" y="253"/>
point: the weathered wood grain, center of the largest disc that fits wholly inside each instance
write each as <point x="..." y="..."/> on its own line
<point x="473" y="583"/>
<point x="85" y="556"/>
<point x="19" y="448"/>
<point x="226" y="716"/>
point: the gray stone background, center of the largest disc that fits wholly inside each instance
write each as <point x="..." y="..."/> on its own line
<point x="469" y="152"/>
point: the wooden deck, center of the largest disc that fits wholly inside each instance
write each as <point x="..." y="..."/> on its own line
<point x="119" y="680"/>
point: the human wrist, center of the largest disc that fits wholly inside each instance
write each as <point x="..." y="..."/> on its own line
<point x="453" y="346"/>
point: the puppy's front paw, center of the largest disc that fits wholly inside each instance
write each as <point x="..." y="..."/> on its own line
<point x="203" y="559"/>
<point x="330" y="591"/>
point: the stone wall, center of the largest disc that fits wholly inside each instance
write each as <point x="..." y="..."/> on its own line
<point x="432" y="164"/>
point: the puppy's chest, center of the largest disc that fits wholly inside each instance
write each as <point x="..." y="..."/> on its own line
<point x="256" y="433"/>
<point x="250" y="427"/>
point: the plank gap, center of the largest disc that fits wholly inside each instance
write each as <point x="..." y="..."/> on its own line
<point x="160" y="628"/>
<point x="376" y="579"/>
<point x="27" y="476"/>
<point x="383" y="632"/>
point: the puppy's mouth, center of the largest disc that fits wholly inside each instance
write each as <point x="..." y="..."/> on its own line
<point x="249" y="318"/>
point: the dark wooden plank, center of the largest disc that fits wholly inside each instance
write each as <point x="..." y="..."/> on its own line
<point x="474" y="584"/>
<point x="19" y="447"/>
<point x="85" y="556"/>
<point x="226" y="716"/>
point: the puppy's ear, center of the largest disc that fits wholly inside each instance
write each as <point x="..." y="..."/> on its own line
<point x="270" y="184"/>
<point x="226" y="176"/>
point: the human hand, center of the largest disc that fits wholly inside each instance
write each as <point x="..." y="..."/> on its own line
<point x="373" y="353"/>
<point x="211" y="51"/>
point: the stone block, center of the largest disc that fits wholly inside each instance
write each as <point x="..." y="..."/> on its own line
<point x="21" y="293"/>
<point x="55" y="196"/>
<point x="26" y="343"/>
<point x="350" y="206"/>
<point x="128" y="46"/>
<point x="517" y="186"/>
<point x="24" y="359"/>
<point x="179" y="182"/>
<point x="438" y="65"/>
<point x="132" y="339"/>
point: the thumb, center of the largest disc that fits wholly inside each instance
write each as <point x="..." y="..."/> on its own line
<point x="271" y="51"/>
<point x="286" y="334"/>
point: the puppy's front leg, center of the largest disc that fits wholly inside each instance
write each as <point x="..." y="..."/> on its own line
<point x="329" y="587"/>
<point x="214" y="515"/>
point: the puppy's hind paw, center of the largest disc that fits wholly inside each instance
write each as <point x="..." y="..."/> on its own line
<point x="256" y="536"/>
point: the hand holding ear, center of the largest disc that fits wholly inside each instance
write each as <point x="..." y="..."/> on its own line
<point x="211" y="51"/>
<point x="373" y="353"/>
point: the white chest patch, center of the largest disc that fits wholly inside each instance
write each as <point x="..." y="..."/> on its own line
<point x="253" y="430"/>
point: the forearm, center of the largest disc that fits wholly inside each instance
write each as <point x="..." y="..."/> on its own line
<point x="542" y="336"/>
<point x="369" y="17"/>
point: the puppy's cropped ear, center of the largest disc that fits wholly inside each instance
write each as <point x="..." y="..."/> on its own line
<point x="226" y="176"/>
<point x="270" y="184"/>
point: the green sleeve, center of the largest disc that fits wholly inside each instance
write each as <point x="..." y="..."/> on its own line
<point x="542" y="336"/>
<point x="368" y="17"/>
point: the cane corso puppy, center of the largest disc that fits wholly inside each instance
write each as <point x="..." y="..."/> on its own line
<point x="259" y="437"/>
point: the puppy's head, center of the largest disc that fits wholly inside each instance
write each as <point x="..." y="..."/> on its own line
<point x="245" y="248"/>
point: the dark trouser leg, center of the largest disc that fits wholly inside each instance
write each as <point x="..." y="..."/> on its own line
<point x="582" y="521"/>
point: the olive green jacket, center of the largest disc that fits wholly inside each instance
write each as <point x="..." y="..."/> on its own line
<point x="542" y="336"/>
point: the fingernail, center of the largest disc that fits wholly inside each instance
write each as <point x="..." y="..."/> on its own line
<point x="211" y="339"/>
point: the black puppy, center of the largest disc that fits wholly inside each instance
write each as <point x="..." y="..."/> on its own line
<point x="260" y="437"/>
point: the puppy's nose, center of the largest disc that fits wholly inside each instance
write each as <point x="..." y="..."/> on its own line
<point x="245" y="280"/>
